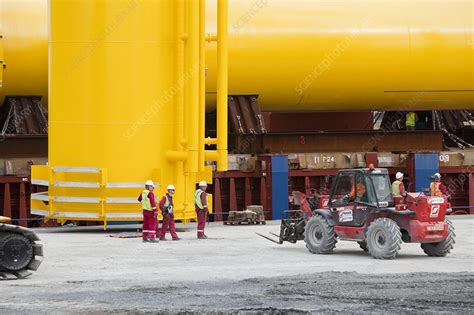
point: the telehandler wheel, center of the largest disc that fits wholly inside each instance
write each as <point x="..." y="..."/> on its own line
<point x="17" y="252"/>
<point x="442" y="248"/>
<point x="363" y="246"/>
<point x="383" y="239"/>
<point x="319" y="236"/>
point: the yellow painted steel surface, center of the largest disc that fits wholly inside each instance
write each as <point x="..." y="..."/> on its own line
<point x="120" y="73"/>
<point x="351" y="54"/>
<point x="315" y="54"/>
<point x="24" y="28"/>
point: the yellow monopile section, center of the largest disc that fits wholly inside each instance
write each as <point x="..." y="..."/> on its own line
<point x="23" y="40"/>
<point x="305" y="55"/>
<point x="349" y="55"/>
<point x="124" y="107"/>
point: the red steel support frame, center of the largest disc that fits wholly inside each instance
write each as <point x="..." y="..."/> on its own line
<point x="217" y="199"/>
<point x="248" y="192"/>
<point x="232" y="195"/>
<point x="22" y="207"/>
<point x="23" y="182"/>
<point x="7" y="206"/>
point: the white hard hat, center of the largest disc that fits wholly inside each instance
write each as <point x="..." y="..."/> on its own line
<point x="149" y="183"/>
<point x="399" y="175"/>
<point x="202" y="183"/>
<point x="170" y="187"/>
<point x="437" y="175"/>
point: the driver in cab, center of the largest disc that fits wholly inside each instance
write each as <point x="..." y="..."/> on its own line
<point x="360" y="189"/>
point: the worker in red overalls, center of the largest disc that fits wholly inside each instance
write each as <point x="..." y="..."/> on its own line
<point x="200" y="205"/>
<point x="147" y="199"/>
<point x="167" y="209"/>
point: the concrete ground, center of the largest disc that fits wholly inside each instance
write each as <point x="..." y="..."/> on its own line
<point x="236" y="271"/>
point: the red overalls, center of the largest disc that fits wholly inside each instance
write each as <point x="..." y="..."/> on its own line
<point x="168" y="218"/>
<point x="149" y="218"/>
<point x="201" y="215"/>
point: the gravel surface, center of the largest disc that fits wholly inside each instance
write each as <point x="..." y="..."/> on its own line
<point x="237" y="272"/>
<point x="329" y="292"/>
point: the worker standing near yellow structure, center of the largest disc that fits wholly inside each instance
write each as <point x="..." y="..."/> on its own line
<point x="410" y="120"/>
<point x="167" y="209"/>
<point x="148" y="201"/>
<point x="200" y="202"/>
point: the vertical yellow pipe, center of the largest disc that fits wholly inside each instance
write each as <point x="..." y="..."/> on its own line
<point x="192" y="56"/>
<point x="181" y="195"/>
<point x="222" y="86"/>
<point x="184" y="140"/>
<point x="202" y="83"/>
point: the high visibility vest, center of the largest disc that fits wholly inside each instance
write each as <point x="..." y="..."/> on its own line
<point x="434" y="189"/>
<point x="396" y="188"/>
<point x="197" y="198"/>
<point x="146" y="204"/>
<point x="410" y="119"/>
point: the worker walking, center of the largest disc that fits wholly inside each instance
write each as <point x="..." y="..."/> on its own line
<point x="410" y="120"/>
<point x="167" y="209"/>
<point x="200" y="204"/>
<point x="437" y="188"/>
<point x="148" y="201"/>
<point x="398" y="188"/>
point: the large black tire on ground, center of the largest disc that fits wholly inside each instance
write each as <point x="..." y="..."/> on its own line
<point x="319" y="236"/>
<point x="16" y="251"/>
<point x="441" y="249"/>
<point x="384" y="238"/>
<point x="19" y="252"/>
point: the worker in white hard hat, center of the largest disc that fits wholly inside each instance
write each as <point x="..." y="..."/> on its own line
<point x="398" y="188"/>
<point x="200" y="205"/>
<point x="437" y="188"/>
<point x="148" y="201"/>
<point x="167" y="209"/>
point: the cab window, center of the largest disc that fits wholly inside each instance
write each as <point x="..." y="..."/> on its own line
<point x="342" y="190"/>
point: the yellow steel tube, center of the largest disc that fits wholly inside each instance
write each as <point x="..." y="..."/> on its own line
<point x="202" y="83"/>
<point x="179" y="140"/>
<point x="185" y="14"/>
<point x="176" y="156"/>
<point x="192" y="57"/>
<point x="211" y="155"/>
<point x="222" y="84"/>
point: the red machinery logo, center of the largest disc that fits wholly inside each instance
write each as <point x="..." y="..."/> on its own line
<point x="434" y="211"/>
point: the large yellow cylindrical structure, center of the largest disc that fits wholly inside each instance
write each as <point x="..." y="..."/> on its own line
<point x="24" y="41"/>
<point x="116" y="91"/>
<point x="350" y="55"/>
<point x="318" y="55"/>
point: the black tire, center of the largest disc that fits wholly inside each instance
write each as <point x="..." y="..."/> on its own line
<point x="16" y="252"/>
<point x="441" y="249"/>
<point x="363" y="245"/>
<point x="384" y="239"/>
<point x="319" y="236"/>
